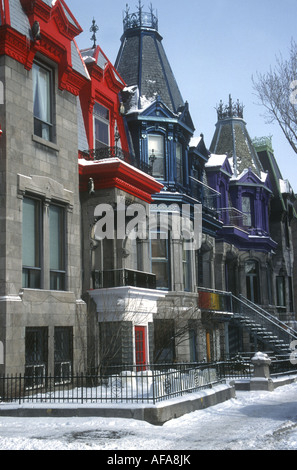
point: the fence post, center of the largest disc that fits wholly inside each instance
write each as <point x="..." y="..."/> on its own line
<point x="261" y="379"/>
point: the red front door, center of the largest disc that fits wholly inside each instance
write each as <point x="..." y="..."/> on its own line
<point x="140" y="347"/>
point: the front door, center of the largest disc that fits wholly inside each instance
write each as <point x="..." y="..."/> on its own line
<point x="140" y="347"/>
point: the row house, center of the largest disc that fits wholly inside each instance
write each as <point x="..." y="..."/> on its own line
<point x="119" y="226"/>
<point x="161" y="132"/>
<point x="254" y="247"/>
<point x="42" y="314"/>
<point x="118" y="284"/>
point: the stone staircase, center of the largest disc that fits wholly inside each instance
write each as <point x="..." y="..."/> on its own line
<point x="276" y="335"/>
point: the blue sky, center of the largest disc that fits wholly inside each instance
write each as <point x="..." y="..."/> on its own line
<point x="214" y="48"/>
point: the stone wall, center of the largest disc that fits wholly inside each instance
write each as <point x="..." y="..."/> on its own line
<point x="47" y="170"/>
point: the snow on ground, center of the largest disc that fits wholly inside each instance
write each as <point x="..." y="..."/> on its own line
<point x="251" y="421"/>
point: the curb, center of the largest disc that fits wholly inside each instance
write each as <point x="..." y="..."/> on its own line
<point x="154" y="414"/>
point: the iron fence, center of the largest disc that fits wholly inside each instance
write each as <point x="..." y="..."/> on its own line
<point x="151" y="384"/>
<point x="130" y="384"/>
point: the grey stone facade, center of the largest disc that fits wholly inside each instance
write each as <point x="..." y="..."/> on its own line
<point x="47" y="171"/>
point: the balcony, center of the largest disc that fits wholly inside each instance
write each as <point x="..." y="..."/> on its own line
<point x="234" y="217"/>
<point x="215" y="301"/>
<point x="123" y="277"/>
<point x="106" y="152"/>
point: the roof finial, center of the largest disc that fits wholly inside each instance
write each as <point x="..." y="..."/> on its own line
<point x="231" y="110"/>
<point x="93" y="29"/>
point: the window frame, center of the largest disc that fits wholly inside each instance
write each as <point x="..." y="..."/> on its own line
<point x="63" y="353"/>
<point x="280" y="285"/>
<point x="101" y="120"/>
<point x="36" y="368"/>
<point x="49" y="124"/>
<point x="58" y="275"/>
<point x="179" y="163"/>
<point x="153" y="156"/>
<point x="186" y="268"/>
<point x="28" y="272"/>
<point x="155" y="236"/>
<point x="49" y="277"/>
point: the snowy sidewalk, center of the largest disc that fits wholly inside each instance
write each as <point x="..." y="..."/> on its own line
<point x="251" y="421"/>
<point x="157" y="414"/>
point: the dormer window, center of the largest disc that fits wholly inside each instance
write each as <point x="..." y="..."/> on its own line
<point x="101" y="126"/>
<point x="156" y="155"/>
<point x="247" y="211"/>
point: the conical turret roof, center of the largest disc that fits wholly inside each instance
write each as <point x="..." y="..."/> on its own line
<point x="142" y="60"/>
<point x="232" y="138"/>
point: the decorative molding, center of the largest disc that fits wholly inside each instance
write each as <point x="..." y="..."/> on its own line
<point x="44" y="187"/>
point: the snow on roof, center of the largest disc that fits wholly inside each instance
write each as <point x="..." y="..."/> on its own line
<point x="216" y="160"/>
<point x="285" y="187"/>
<point x="195" y="141"/>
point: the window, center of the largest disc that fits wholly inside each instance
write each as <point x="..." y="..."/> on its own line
<point x="63" y="353"/>
<point x="280" y="291"/>
<point x="101" y="125"/>
<point x="35" y="356"/>
<point x="179" y="163"/>
<point x="160" y="261"/>
<point x="269" y="284"/>
<point x="193" y="345"/>
<point x="42" y="101"/>
<point x="186" y="261"/>
<point x="164" y="341"/>
<point x="57" y="248"/>
<point x="247" y="211"/>
<point x="156" y="155"/>
<point x="32" y="234"/>
<point x="47" y="271"/>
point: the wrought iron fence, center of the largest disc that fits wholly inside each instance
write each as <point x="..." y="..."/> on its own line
<point x="151" y="384"/>
<point x="118" y="384"/>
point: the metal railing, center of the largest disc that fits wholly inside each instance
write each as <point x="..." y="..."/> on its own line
<point x="271" y="326"/>
<point x="233" y="217"/>
<point x="151" y="384"/>
<point x="123" y="277"/>
<point x="266" y="326"/>
<point x="106" y="152"/>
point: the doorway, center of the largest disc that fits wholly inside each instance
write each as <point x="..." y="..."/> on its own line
<point x="252" y="281"/>
<point x="140" y="347"/>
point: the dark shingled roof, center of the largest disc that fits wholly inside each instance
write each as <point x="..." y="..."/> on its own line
<point x="232" y="138"/>
<point x="142" y="61"/>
